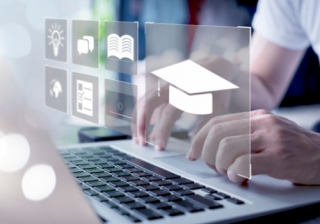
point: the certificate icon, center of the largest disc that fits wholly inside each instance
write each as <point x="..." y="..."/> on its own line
<point x="85" y="97"/>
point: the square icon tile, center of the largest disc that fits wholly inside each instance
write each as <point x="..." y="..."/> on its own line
<point x="56" y="88"/>
<point x="120" y="104"/>
<point x="56" y="39"/>
<point x="85" y="43"/>
<point x="85" y="97"/>
<point x="121" y="47"/>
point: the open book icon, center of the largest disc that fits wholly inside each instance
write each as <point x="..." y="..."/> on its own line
<point x="121" y="47"/>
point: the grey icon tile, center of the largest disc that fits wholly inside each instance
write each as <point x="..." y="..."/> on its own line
<point x="85" y="97"/>
<point x="121" y="47"/>
<point x="56" y="39"/>
<point x="56" y="88"/>
<point x="120" y="103"/>
<point x="85" y="43"/>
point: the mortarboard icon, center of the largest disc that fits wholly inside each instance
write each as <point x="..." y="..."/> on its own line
<point x="191" y="86"/>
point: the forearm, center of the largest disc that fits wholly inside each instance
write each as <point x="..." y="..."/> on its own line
<point x="255" y="89"/>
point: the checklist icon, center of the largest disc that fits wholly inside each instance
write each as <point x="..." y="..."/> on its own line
<point x="84" y="98"/>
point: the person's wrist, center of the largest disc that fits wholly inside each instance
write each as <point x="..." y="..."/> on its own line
<point x="315" y="160"/>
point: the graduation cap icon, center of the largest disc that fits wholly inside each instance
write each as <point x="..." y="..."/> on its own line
<point x="191" y="86"/>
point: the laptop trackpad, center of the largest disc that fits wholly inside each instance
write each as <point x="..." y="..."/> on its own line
<point x="197" y="168"/>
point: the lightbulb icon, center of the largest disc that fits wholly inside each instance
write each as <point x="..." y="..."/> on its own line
<point x="56" y="38"/>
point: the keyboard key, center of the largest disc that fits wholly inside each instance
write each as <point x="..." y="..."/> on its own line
<point x="172" y="188"/>
<point x="150" y="199"/>
<point x="104" y="188"/>
<point x="148" y="213"/>
<point x="100" y="198"/>
<point x="157" y="170"/>
<point x="204" y="201"/>
<point x="132" y="218"/>
<point x="75" y="170"/>
<point x="87" y="166"/>
<point x="138" y="194"/>
<point x="149" y="188"/>
<point x="135" y="205"/>
<point x="105" y="165"/>
<point x="221" y="195"/>
<point x="96" y="183"/>
<point x="161" y="205"/>
<point x="235" y="201"/>
<point x="100" y="162"/>
<point x="183" y="192"/>
<point x="80" y="153"/>
<point x="123" y="174"/>
<point x="142" y="174"/>
<point x="94" y="159"/>
<point x="112" y="159"/>
<point x="91" y="192"/>
<point x="124" y="199"/>
<point x="172" y="198"/>
<point x="173" y="212"/>
<point x="80" y="163"/>
<point x="119" y="184"/>
<point x="98" y="153"/>
<point x="139" y="182"/>
<point x="134" y="170"/>
<point x="130" y="178"/>
<point x="107" y="148"/>
<point x="88" y="157"/>
<point x="100" y="175"/>
<point x="182" y="181"/>
<point x="162" y="182"/>
<point x="209" y="190"/>
<point x="105" y="157"/>
<point x="113" y="194"/>
<point x="84" y="187"/>
<point x="110" y="179"/>
<point x="128" y="188"/>
<point x="159" y="192"/>
<point x="189" y="206"/>
<point x="110" y="204"/>
<point x="94" y="170"/>
<point x="70" y="165"/>
<point x="93" y="150"/>
<point x="152" y="178"/>
<point x="81" y="174"/>
<point x="119" y="163"/>
<point x="75" y="160"/>
<point x="126" y="166"/>
<point x="193" y="186"/>
<point x="212" y="197"/>
<point x="88" y="179"/>
<point x="114" y="170"/>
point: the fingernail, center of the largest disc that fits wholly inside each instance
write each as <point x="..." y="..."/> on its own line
<point x="157" y="147"/>
<point x="190" y="156"/>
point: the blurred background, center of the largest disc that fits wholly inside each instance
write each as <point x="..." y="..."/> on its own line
<point x="22" y="44"/>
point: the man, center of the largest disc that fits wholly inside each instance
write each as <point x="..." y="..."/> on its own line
<point x="279" y="147"/>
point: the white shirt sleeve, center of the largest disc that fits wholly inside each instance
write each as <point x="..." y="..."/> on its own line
<point x="278" y="21"/>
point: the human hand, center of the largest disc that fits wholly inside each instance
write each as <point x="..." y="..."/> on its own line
<point x="165" y="115"/>
<point x="279" y="147"/>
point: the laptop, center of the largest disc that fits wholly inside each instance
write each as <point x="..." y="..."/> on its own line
<point x="122" y="182"/>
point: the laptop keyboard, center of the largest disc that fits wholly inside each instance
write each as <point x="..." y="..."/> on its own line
<point x="136" y="189"/>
